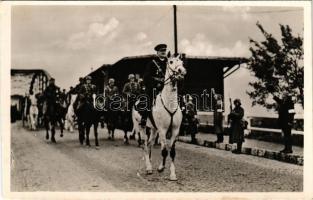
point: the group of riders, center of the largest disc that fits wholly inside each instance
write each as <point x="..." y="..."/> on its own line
<point x="53" y="106"/>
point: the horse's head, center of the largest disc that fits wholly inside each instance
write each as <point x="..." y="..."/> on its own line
<point x="176" y="67"/>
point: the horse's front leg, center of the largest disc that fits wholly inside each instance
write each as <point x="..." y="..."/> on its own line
<point x="47" y="128"/>
<point x="164" y="151"/>
<point x="53" y="131"/>
<point x="125" y="137"/>
<point x="87" y="130"/>
<point x="61" y="126"/>
<point x="81" y="132"/>
<point x="95" y="129"/>
<point x="173" y="154"/>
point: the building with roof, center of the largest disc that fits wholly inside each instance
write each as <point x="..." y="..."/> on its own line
<point x="203" y="73"/>
<point x="25" y="81"/>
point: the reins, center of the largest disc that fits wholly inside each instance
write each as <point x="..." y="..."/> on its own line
<point x="169" y="112"/>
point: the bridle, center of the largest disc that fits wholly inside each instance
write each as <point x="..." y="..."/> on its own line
<point x="172" y="74"/>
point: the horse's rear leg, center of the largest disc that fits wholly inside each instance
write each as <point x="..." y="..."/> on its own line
<point x="95" y="129"/>
<point x="148" y="146"/>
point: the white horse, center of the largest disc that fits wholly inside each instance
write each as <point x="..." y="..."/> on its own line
<point x="33" y="112"/>
<point x="167" y="116"/>
<point x="70" y="115"/>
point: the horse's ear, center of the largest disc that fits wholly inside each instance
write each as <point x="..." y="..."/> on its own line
<point x="169" y="54"/>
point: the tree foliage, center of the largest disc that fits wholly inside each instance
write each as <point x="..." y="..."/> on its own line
<point x="278" y="67"/>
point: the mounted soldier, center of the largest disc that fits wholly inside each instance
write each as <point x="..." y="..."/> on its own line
<point x="87" y="90"/>
<point x="154" y="79"/>
<point x="131" y="90"/>
<point x="110" y="92"/>
<point x="50" y="98"/>
<point x="85" y="111"/>
<point x="142" y="87"/>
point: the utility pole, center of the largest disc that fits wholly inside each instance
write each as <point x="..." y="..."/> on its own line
<point x="175" y="30"/>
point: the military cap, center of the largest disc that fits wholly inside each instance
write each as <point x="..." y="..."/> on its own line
<point x="52" y="79"/>
<point x="88" y="78"/>
<point x="131" y="76"/>
<point x="160" y="47"/>
<point x="237" y="101"/>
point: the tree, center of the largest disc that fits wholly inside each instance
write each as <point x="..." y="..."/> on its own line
<point x="278" y="67"/>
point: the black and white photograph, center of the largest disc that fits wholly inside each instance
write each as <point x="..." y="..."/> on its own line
<point x="157" y="97"/>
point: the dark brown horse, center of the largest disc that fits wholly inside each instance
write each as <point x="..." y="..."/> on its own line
<point x="87" y="116"/>
<point x="52" y="114"/>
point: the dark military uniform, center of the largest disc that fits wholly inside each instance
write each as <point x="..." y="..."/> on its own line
<point x="218" y="119"/>
<point x="110" y="91"/>
<point x="86" y="92"/>
<point x="50" y="96"/>
<point x="191" y="112"/>
<point x="236" y="127"/>
<point x="131" y="89"/>
<point x="154" y="78"/>
<point x="285" y="120"/>
<point x="51" y="93"/>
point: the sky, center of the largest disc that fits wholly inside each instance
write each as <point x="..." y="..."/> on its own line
<point x="71" y="41"/>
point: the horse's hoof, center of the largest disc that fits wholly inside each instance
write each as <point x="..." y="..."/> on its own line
<point x="161" y="169"/>
<point x="47" y="137"/>
<point x="149" y="172"/>
<point x="97" y="147"/>
<point x="53" y="141"/>
<point x="173" y="178"/>
<point x="61" y="135"/>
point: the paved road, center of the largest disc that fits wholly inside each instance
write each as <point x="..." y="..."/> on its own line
<point x="39" y="165"/>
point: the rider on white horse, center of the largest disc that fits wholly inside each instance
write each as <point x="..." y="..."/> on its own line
<point x="153" y="79"/>
<point x="166" y="116"/>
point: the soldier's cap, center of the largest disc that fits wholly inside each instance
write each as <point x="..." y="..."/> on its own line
<point x="52" y="79"/>
<point x="237" y="101"/>
<point x="111" y="80"/>
<point x="160" y="47"/>
<point x="88" y="78"/>
<point x="131" y="76"/>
